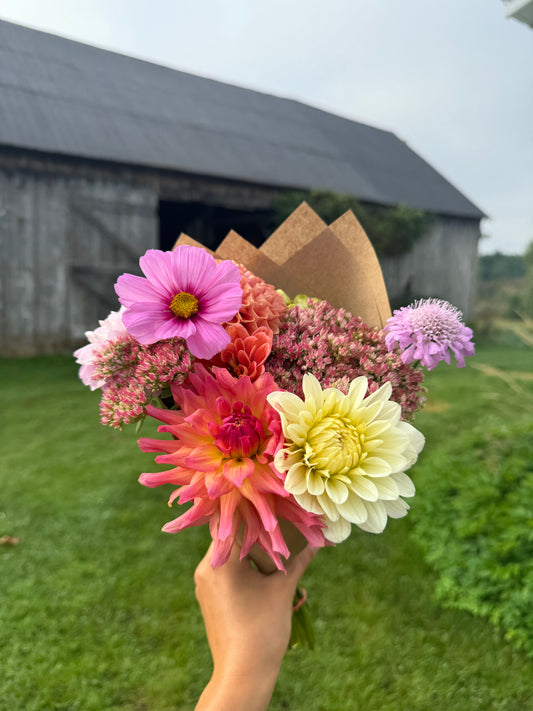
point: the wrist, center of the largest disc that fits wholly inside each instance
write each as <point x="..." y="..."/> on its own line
<point x="238" y="690"/>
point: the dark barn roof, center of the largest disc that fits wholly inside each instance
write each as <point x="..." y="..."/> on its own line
<point x="63" y="97"/>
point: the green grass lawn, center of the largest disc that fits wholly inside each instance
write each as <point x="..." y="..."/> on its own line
<point x="97" y="607"/>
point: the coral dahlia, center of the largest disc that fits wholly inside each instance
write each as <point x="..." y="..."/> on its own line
<point x="225" y="438"/>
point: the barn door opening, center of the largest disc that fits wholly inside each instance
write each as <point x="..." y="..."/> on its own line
<point x="209" y="224"/>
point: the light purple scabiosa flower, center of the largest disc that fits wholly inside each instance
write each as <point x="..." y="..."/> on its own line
<point x="428" y="330"/>
<point x="185" y="294"/>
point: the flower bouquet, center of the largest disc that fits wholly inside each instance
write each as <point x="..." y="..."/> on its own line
<point x="289" y="415"/>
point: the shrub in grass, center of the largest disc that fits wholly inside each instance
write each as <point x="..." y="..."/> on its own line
<point x="474" y="520"/>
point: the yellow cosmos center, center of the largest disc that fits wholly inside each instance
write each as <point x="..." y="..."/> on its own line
<point x="335" y="445"/>
<point x="184" y="305"/>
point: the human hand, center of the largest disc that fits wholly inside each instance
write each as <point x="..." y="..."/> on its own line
<point x="247" y="618"/>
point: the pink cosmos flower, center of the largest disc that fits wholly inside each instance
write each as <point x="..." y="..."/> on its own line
<point x="427" y="331"/>
<point x="225" y="438"/>
<point x="185" y="294"/>
<point x="110" y="329"/>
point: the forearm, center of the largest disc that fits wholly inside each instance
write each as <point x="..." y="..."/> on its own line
<point x="238" y="692"/>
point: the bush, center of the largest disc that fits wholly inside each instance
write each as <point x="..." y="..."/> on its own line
<point x="393" y="230"/>
<point x="475" y="525"/>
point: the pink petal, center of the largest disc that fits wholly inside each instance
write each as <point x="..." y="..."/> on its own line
<point x="237" y="471"/>
<point x="204" y="459"/>
<point x="132" y="289"/>
<point x="157" y="266"/>
<point x="216" y="485"/>
<point x="193" y="268"/>
<point x="174" y="327"/>
<point x="172" y="476"/>
<point x="197" y="515"/>
<point x="143" y="320"/>
<point x="228" y="504"/>
<point x="221" y="303"/>
<point x="209" y="339"/>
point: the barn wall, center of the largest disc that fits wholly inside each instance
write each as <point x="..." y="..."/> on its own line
<point x="442" y="264"/>
<point x="68" y="228"/>
<point x="60" y="236"/>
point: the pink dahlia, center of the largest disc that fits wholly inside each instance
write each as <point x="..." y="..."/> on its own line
<point x="111" y="329"/>
<point x="261" y="304"/>
<point x="427" y="331"/>
<point x="185" y="294"/>
<point x="225" y="437"/>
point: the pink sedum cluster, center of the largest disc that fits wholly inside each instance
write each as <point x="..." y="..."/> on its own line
<point x="132" y="375"/>
<point x="336" y="348"/>
<point x="225" y="437"/>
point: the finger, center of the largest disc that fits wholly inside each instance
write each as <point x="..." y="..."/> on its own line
<point x="298" y="564"/>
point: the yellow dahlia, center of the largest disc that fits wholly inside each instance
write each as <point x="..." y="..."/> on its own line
<point x="345" y="456"/>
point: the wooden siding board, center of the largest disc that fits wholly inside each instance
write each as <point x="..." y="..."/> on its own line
<point x="442" y="264"/>
<point x="50" y="282"/>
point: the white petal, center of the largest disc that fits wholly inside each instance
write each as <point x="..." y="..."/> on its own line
<point x="397" y="462"/>
<point x="357" y="391"/>
<point x="375" y="466"/>
<point x="337" y="531"/>
<point x="284" y="402"/>
<point x="382" y="394"/>
<point x="312" y="390"/>
<point x="328" y="507"/>
<point x="364" y="488"/>
<point x="396" y="509"/>
<point x="416" y="438"/>
<point x="377" y="427"/>
<point x="377" y="517"/>
<point x="309" y="503"/>
<point x="387" y="488"/>
<point x="296" y="433"/>
<point x="367" y="414"/>
<point x="336" y="490"/>
<point x="296" y="480"/>
<point x="353" y="509"/>
<point x="315" y="483"/>
<point x="405" y="485"/>
<point x="391" y="412"/>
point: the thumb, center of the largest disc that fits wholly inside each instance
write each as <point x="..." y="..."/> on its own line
<point x="298" y="564"/>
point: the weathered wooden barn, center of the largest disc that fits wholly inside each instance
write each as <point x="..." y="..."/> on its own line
<point x="103" y="156"/>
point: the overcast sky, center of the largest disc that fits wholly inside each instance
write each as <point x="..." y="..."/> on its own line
<point x="454" y="78"/>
